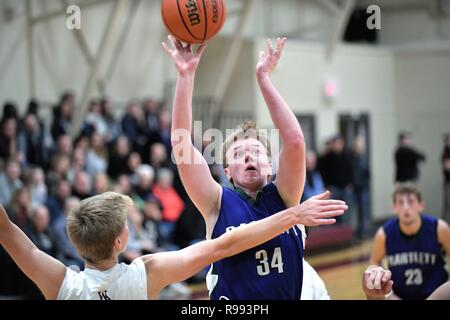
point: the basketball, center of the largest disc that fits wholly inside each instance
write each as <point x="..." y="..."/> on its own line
<point x="193" y="21"/>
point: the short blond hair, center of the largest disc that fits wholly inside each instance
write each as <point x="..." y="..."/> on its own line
<point x="96" y="222"/>
<point x="246" y="130"/>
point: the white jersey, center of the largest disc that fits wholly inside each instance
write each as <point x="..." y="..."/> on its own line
<point x="122" y="282"/>
<point x="313" y="286"/>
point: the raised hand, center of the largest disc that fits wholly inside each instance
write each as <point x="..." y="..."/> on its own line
<point x="268" y="61"/>
<point x="319" y="210"/>
<point x="185" y="60"/>
<point x="377" y="282"/>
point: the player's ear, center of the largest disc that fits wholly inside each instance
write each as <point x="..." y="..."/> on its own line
<point x="227" y="172"/>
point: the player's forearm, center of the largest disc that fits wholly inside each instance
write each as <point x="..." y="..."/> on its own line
<point x="182" y="104"/>
<point x="282" y="116"/>
<point x="19" y="247"/>
<point x="256" y="233"/>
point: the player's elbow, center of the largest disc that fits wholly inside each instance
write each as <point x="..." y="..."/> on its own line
<point x="295" y="140"/>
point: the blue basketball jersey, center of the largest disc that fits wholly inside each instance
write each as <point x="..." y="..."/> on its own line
<point x="416" y="262"/>
<point x="270" y="271"/>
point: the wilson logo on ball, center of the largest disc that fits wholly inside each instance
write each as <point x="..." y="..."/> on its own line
<point x="193" y="21"/>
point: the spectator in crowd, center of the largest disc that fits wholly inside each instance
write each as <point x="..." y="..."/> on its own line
<point x="134" y="162"/>
<point x="62" y="116"/>
<point x="114" y="129"/>
<point x="165" y="119"/>
<point x="118" y="159"/>
<point x="446" y="170"/>
<point x="133" y="126"/>
<point x="82" y="185"/>
<point x="100" y="184"/>
<point x="9" y="111"/>
<point x="9" y="148"/>
<point x="123" y="186"/>
<point x="78" y="164"/>
<point x="145" y="177"/>
<point x="67" y="252"/>
<point x="171" y="203"/>
<point x="313" y="182"/>
<point x="40" y="233"/>
<point x="336" y="168"/>
<point x="97" y="155"/>
<point x="64" y="146"/>
<point x="33" y="108"/>
<point x="407" y="159"/>
<point x="31" y="142"/>
<point x="139" y="242"/>
<point x="57" y="200"/>
<point x="361" y="179"/>
<point x="20" y="208"/>
<point x="94" y="121"/>
<point x="9" y="181"/>
<point x="59" y="169"/>
<point x="36" y="185"/>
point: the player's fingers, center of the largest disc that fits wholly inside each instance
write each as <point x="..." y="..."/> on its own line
<point x="166" y="48"/>
<point x="377" y="281"/>
<point x="201" y="49"/>
<point x="332" y="213"/>
<point x="389" y="286"/>
<point x="269" y="46"/>
<point x="332" y="202"/>
<point x="280" y="44"/>
<point x="333" y="207"/>
<point x="323" y="196"/>
<point x="371" y="279"/>
<point x="386" y="276"/>
<point x="320" y="222"/>
<point x="172" y="41"/>
<point x="261" y="55"/>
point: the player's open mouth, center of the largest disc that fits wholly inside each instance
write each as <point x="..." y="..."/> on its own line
<point x="250" y="168"/>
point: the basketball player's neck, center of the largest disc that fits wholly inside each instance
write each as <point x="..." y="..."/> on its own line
<point x="103" y="265"/>
<point x="411" y="228"/>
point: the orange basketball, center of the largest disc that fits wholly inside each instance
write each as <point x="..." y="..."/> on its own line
<point x="193" y="21"/>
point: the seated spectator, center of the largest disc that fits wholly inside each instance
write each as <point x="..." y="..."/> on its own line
<point x="20" y="208"/>
<point x="37" y="186"/>
<point x="123" y="185"/>
<point x="9" y="181"/>
<point x="139" y="242"/>
<point x="96" y="155"/>
<point x="82" y="185"/>
<point x="145" y="176"/>
<point x="31" y="142"/>
<point x="101" y="184"/>
<point x="94" y="119"/>
<point x="68" y="254"/>
<point x="8" y="140"/>
<point x="40" y="233"/>
<point x="171" y="203"/>
<point x="57" y="200"/>
<point x="64" y="146"/>
<point x="133" y="126"/>
<point x="118" y="159"/>
<point x="114" y="129"/>
<point x="62" y="116"/>
<point x="59" y="169"/>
